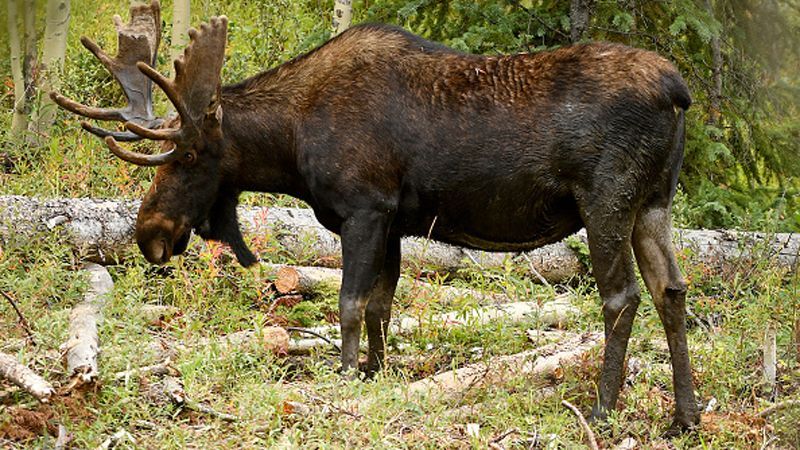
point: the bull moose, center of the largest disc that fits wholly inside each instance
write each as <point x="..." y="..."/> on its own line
<point x="385" y="134"/>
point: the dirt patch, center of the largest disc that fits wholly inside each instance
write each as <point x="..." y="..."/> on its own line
<point x="22" y="424"/>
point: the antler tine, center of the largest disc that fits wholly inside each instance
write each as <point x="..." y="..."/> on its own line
<point x="138" y="158"/>
<point x="137" y="41"/>
<point x="198" y="70"/>
<point x="122" y="136"/>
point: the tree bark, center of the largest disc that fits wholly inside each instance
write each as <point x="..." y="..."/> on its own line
<point x="103" y="229"/>
<point x="53" y="52"/>
<point x="181" y="17"/>
<point x="579" y="14"/>
<point x="715" y="97"/>
<point x="342" y="16"/>
<point x="19" y="121"/>
<point x="30" y="60"/>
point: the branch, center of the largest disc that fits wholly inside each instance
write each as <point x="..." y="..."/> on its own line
<point x="83" y="344"/>
<point x="584" y="425"/>
<point x="13" y="371"/>
<point x="22" y="321"/>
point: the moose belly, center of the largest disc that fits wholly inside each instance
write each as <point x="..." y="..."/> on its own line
<point x="495" y="223"/>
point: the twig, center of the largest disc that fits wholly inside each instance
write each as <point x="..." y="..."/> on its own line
<point x="314" y="333"/>
<point x="116" y="438"/>
<point x="584" y="425"/>
<point x="778" y="407"/>
<point x="201" y="408"/>
<point x="22" y="321"/>
<point x="534" y="271"/>
<point x="163" y="368"/>
<point x="504" y="435"/>
<point x="63" y="438"/>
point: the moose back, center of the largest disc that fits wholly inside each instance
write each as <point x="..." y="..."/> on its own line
<point x="385" y="134"/>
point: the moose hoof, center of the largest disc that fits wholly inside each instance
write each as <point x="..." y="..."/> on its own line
<point x="683" y="424"/>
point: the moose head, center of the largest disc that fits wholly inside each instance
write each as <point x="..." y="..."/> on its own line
<point x="192" y="141"/>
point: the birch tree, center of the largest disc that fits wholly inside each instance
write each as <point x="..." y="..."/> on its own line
<point x="53" y="52"/>
<point x="181" y="15"/>
<point x="342" y="16"/>
<point x="19" y="121"/>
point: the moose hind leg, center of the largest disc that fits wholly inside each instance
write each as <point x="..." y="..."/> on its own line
<point x="612" y="264"/>
<point x="379" y="307"/>
<point x="652" y="243"/>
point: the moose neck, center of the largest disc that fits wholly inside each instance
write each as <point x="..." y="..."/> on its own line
<point x="258" y="126"/>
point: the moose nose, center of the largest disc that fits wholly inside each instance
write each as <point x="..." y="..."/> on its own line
<point x="156" y="251"/>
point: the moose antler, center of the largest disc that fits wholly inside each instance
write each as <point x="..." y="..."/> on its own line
<point x="193" y="92"/>
<point x="137" y="41"/>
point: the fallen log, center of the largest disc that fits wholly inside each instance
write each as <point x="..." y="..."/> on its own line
<point x="541" y="362"/>
<point x="83" y="343"/>
<point x="550" y="314"/>
<point x="102" y="229"/>
<point x="310" y="279"/>
<point x="17" y="373"/>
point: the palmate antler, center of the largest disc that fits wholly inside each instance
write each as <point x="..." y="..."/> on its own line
<point x="192" y="92"/>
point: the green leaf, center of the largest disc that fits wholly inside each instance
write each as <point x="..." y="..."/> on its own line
<point x="678" y="26"/>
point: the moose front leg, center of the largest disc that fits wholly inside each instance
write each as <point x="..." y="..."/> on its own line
<point x="364" y="239"/>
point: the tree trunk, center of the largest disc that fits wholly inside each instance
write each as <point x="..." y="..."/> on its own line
<point x="29" y="62"/>
<point x="715" y="97"/>
<point x="53" y="52"/>
<point x="19" y="121"/>
<point x="103" y="229"/>
<point x="181" y="16"/>
<point x="579" y="13"/>
<point x="342" y="16"/>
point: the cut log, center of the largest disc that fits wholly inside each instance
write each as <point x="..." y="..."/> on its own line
<point x="287" y="280"/>
<point x="102" y="229"/>
<point x="83" y="344"/>
<point x="17" y="373"/>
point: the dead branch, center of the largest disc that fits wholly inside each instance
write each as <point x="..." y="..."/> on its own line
<point x="17" y="373"/>
<point x="160" y="369"/>
<point x="63" y="438"/>
<point x="22" y="321"/>
<point x="121" y="435"/>
<point x="172" y="388"/>
<point x="592" y="441"/>
<point x="83" y="344"/>
<point x="779" y="407"/>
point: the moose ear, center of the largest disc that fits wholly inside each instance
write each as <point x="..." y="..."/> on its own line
<point x="215" y="107"/>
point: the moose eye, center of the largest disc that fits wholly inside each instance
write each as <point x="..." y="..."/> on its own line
<point x="189" y="157"/>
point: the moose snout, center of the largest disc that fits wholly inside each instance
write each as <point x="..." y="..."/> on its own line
<point x="159" y="238"/>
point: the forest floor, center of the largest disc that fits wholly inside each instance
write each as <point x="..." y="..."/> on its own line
<point x="302" y="402"/>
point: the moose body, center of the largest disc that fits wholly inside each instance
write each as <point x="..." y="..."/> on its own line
<point x="385" y="135"/>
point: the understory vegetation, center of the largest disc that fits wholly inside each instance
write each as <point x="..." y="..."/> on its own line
<point x="741" y="171"/>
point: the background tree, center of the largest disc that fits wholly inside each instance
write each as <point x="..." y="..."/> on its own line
<point x="342" y="15"/>
<point x="181" y="17"/>
<point x="54" y="48"/>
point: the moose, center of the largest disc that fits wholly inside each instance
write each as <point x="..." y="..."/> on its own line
<point x="385" y="135"/>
